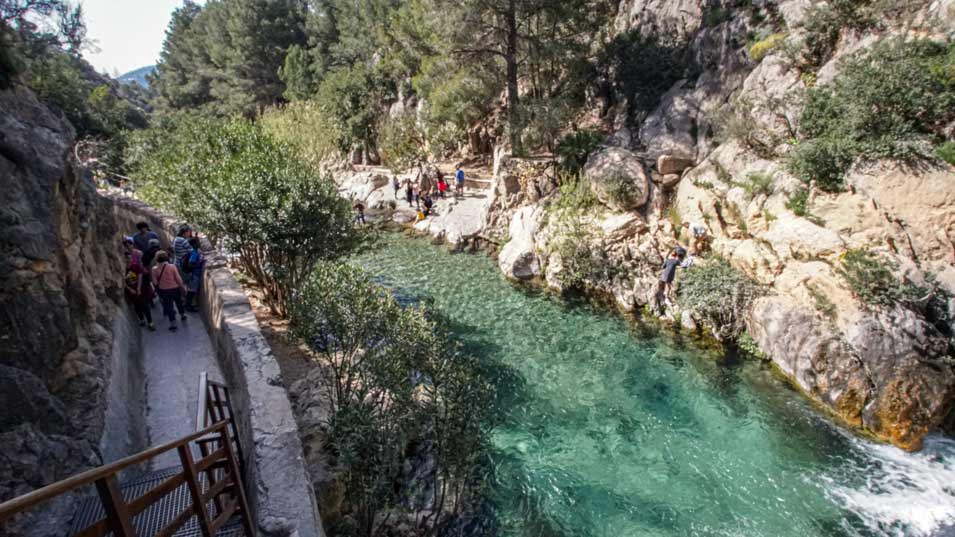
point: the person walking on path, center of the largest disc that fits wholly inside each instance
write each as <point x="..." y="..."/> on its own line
<point x="458" y="181"/>
<point x="396" y="184"/>
<point x="442" y="186"/>
<point x="668" y="275"/>
<point x="360" y="212"/>
<point x="195" y="262"/>
<point x="143" y="236"/>
<point x="149" y="254"/>
<point x="180" y="246"/>
<point x="134" y="256"/>
<point x="170" y="287"/>
<point x="139" y="293"/>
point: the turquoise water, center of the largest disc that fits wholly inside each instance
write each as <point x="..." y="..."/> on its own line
<point x="609" y="429"/>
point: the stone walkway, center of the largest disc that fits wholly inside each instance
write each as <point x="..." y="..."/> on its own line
<point x="173" y="361"/>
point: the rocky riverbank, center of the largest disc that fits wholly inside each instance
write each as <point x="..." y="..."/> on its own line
<point x="884" y="370"/>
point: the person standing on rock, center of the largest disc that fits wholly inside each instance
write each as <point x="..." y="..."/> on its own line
<point x="360" y="212"/>
<point x="428" y="204"/>
<point x="409" y="193"/>
<point x="668" y="275"/>
<point x="458" y="181"/>
<point x="396" y="184"/>
<point x="442" y="185"/>
<point x="143" y="236"/>
<point x="170" y="287"/>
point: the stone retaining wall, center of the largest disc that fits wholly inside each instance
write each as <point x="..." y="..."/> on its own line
<point x="278" y="485"/>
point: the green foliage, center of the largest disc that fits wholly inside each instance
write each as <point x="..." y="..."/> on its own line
<point x="716" y="15"/>
<point x="872" y="280"/>
<point x="582" y="257"/>
<point x="890" y="102"/>
<point x="719" y="294"/>
<point x="758" y="184"/>
<point x="237" y="183"/>
<point x="398" y="388"/>
<point x="349" y="98"/>
<point x="824" y="305"/>
<point x="824" y="24"/>
<point x="401" y="142"/>
<point x="303" y="125"/>
<point x="946" y="152"/>
<point x="620" y="188"/>
<point x="798" y="202"/>
<point x="748" y="347"/>
<point x="763" y="47"/>
<point x="574" y="149"/>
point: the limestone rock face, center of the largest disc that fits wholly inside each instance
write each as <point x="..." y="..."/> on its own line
<point x="612" y="165"/>
<point x="518" y="259"/>
<point x="673" y="164"/>
<point x="60" y="277"/>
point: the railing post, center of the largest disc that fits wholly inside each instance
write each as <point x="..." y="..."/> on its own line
<point x="115" y="506"/>
<point x="239" y="486"/>
<point x="199" y="506"/>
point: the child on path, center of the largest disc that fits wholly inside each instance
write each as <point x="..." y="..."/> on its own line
<point x="442" y="186"/>
<point x="170" y="287"/>
<point x="360" y="210"/>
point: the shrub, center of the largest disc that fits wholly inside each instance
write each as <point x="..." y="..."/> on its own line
<point x="582" y="258"/>
<point x="758" y="184"/>
<point x="749" y="348"/>
<point x="763" y="47"/>
<point x="824" y="24"/>
<point x="620" y="188"/>
<point x="574" y="149"/>
<point x="946" y="152"/>
<point x="720" y="295"/>
<point x="237" y="183"/>
<point x="398" y="387"/>
<point x="872" y="280"/>
<point x="823" y="304"/>
<point x="890" y="102"/>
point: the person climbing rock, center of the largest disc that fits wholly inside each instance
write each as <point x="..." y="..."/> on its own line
<point x="700" y="236"/>
<point x="139" y="291"/>
<point x="170" y="288"/>
<point x="196" y="263"/>
<point x="668" y="275"/>
<point x="143" y="236"/>
<point x="458" y="181"/>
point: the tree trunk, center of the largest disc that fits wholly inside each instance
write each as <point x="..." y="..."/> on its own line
<point x="510" y="58"/>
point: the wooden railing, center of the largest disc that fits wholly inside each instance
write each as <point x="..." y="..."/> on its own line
<point x="214" y="406"/>
<point x="223" y="488"/>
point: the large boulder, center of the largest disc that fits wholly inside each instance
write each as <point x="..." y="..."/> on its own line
<point x="518" y="258"/>
<point x="618" y="179"/>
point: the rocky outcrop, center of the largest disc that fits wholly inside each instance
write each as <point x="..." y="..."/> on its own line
<point x="618" y="179"/>
<point x="60" y="295"/>
<point x="883" y="370"/>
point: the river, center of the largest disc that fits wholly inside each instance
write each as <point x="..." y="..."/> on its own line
<point x="611" y="429"/>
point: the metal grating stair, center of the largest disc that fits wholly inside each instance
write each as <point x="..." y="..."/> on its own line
<point x="156" y="516"/>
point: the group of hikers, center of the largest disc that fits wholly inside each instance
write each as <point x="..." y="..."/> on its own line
<point x="174" y="276"/>
<point x="679" y="257"/>
<point x="420" y="194"/>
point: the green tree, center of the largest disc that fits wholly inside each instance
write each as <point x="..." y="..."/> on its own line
<point x="398" y="387"/>
<point x="240" y="185"/>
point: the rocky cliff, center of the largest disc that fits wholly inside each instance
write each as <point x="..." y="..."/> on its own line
<point x="887" y="370"/>
<point x="60" y="291"/>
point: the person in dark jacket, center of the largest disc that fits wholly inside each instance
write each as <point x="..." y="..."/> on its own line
<point x="669" y="274"/>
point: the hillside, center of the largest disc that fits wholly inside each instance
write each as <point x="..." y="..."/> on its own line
<point x="138" y="76"/>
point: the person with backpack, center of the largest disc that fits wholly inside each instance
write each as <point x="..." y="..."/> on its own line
<point x="180" y="246"/>
<point x="149" y="254"/>
<point x="139" y="293"/>
<point x="170" y="288"/>
<point x="195" y="264"/>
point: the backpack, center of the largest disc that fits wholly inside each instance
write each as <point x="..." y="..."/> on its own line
<point x="186" y="263"/>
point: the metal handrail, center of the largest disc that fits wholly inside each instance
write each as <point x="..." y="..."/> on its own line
<point x="40" y="495"/>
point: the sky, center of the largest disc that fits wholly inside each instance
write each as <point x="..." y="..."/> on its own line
<point x="126" y="34"/>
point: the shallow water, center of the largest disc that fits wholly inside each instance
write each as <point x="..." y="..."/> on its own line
<point x="613" y="430"/>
